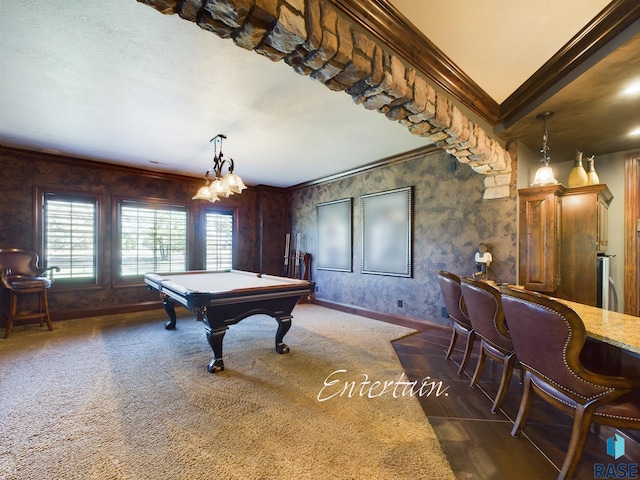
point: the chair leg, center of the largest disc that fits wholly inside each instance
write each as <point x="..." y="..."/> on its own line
<point x="507" y="371"/>
<point x="45" y="307"/>
<point x="41" y="306"/>
<point x="479" y="366"/>
<point x="579" y="434"/>
<point x="525" y="406"/>
<point x="471" y="337"/>
<point x="13" y="307"/>
<point x="452" y="344"/>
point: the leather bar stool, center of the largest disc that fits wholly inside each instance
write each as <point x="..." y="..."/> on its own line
<point x="457" y="311"/>
<point x="548" y="337"/>
<point x="21" y="276"/>
<point x="485" y="312"/>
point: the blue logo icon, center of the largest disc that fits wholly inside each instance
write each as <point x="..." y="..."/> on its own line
<point x="615" y="449"/>
<point x="615" y="446"/>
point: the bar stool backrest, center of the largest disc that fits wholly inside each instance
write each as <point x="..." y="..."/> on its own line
<point x="548" y="337"/>
<point x="485" y="311"/>
<point x="22" y="263"/>
<point x="452" y="295"/>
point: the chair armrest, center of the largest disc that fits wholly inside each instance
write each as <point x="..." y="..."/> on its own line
<point x="3" y="277"/>
<point x="630" y="383"/>
<point x="45" y="271"/>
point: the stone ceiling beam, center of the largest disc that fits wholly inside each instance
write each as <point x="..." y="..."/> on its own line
<point x="317" y="40"/>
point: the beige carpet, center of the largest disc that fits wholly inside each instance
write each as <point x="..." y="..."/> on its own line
<point x="121" y="398"/>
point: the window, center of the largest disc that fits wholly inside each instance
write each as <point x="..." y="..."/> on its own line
<point x="219" y="240"/>
<point x="153" y="238"/>
<point x="69" y="236"/>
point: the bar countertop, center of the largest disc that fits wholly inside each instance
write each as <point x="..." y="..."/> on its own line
<point x="618" y="329"/>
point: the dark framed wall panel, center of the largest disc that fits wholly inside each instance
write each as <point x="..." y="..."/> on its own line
<point x="335" y="235"/>
<point x="387" y="226"/>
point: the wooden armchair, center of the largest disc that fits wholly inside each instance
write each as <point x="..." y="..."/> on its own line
<point x="21" y="275"/>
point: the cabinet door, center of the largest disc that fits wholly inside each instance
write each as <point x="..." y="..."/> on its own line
<point x="603" y="226"/>
<point x="584" y="235"/>
<point x="579" y="247"/>
<point x="539" y="247"/>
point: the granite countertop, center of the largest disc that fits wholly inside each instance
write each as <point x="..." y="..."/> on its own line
<point x="615" y="328"/>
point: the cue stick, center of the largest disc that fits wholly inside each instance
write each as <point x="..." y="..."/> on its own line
<point x="297" y="255"/>
<point x="286" y="254"/>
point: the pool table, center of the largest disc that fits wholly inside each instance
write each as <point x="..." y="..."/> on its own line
<point x="224" y="298"/>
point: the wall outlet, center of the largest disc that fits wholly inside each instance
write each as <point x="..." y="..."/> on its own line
<point x="317" y="288"/>
<point x="445" y="314"/>
<point x="399" y="303"/>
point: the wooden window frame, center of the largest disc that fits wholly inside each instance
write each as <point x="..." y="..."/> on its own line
<point x="40" y="193"/>
<point x="153" y="202"/>
<point x="221" y="211"/>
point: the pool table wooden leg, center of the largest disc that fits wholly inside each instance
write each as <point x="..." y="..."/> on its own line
<point x="215" y="337"/>
<point x="169" y="307"/>
<point x="284" y="324"/>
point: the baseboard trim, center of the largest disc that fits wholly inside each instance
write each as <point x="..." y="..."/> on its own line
<point x="400" y="320"/>
<point x="111" y="310"/>
<point x="409" y="322"/>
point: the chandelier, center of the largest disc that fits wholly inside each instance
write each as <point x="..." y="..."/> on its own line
<point x="544" y="175"/>
<point x="220" y="185"/>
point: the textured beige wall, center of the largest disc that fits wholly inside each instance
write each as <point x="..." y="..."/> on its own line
<point x="450" y="220"/>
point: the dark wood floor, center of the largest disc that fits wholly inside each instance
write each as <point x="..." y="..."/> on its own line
<point x="478" y="444"/>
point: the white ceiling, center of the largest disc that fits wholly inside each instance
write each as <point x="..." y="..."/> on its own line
<point x="119" y="82"/>
<point x="499" y="43"/>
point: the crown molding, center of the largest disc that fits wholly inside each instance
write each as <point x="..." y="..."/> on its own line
<point x="390" y="27"/>
<point x="385" y="162"/>
<point x="609" y="23"/>
<point x="33" y="155"/>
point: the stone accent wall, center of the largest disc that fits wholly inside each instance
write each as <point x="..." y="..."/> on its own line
<point x="317" y="40"/>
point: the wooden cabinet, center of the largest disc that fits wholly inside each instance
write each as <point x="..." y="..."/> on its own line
<point x="539" y="211"/>
<point x="561" y="232"/>
<point x="584" y="236"/>
<point x="603" y="223"/>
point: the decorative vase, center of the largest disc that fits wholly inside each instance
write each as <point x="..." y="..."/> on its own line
<point x="592" y="175"/>
<point x="578" y="175"/>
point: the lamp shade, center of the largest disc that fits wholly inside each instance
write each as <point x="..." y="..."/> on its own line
<point x="234" y="182"/>
<point x="544" y="176"/>
<point x="203" y="193"/>
<point x="219" y="188"/>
